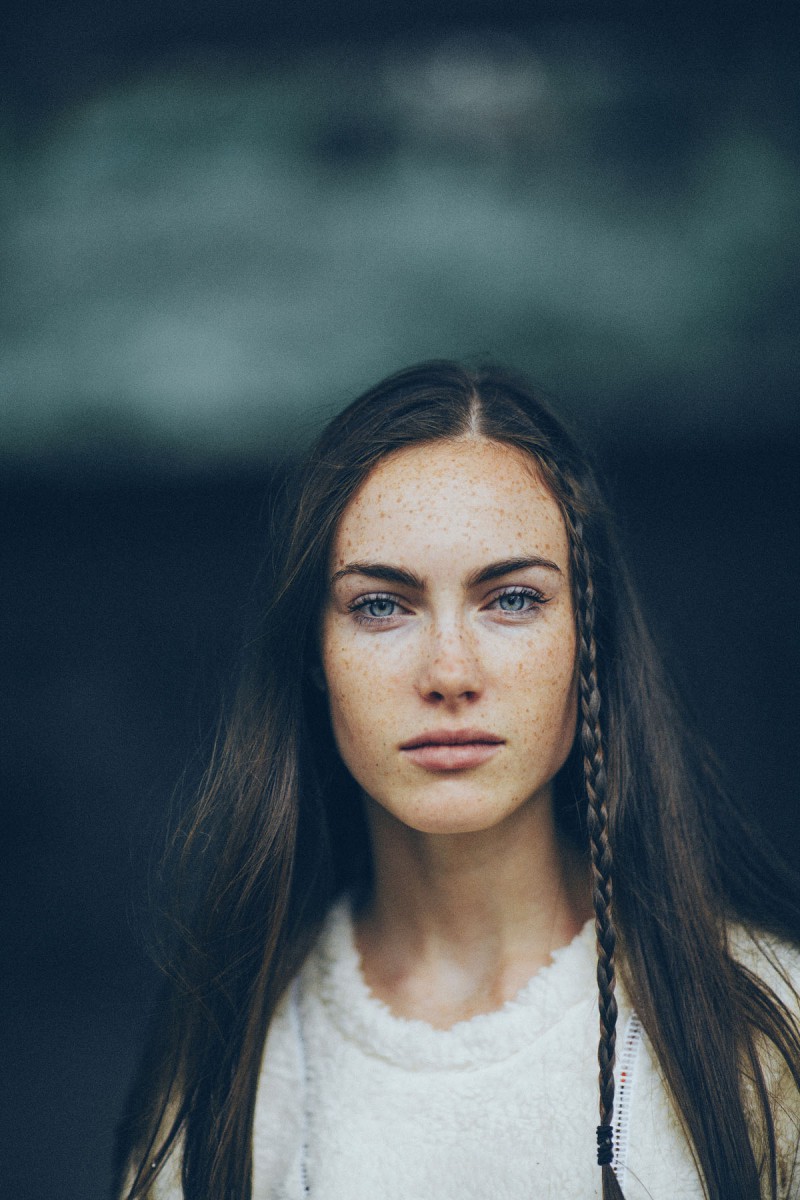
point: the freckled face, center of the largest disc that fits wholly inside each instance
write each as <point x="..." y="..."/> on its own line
<point x="448" y="637"/>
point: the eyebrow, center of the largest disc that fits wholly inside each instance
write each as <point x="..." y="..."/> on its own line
<point x="403" y="578"/>
<point x="506" y="566"/>
<point x="380" y="571"/>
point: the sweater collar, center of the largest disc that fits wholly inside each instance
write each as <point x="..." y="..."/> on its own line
<point x="333" y="978"/>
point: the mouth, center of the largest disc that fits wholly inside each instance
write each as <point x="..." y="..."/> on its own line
<point x="452" y="750"/>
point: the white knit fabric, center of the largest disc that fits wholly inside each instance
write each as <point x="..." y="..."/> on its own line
<point x="363" y="1105"/>
<point x="503" y="1105"/>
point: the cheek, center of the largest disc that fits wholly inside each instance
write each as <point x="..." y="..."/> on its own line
<point x="549" y="696"/>
<point x="569" y="715"/>
<point x="342" y="682"/>
<point x="569" y="729"/>
<point x="356" y="702"/>
<point x="362" y="731"/>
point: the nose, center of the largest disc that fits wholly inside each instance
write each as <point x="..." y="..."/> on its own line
<point x="450" y="668"/>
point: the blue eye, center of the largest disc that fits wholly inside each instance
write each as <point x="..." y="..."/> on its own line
<point x="518" y="601"/>
<point x="512" y="602"/>
<point x="375" y="610"/>
<point x="381" y="607"/>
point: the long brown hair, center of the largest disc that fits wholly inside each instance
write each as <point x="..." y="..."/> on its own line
<point x="278" y="834"/>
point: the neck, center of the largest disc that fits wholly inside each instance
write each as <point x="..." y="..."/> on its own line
<point x="459" y="922"/>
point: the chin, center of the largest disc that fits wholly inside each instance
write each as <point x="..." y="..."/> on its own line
<point x="449" y="815"/>
<point x="444" y="823"/>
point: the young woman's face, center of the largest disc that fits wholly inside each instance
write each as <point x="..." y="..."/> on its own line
<point x="448" y="636"/>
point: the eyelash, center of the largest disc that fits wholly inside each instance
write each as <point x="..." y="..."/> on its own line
<point x="530" y="593"/>
<point x="358" y="607"/>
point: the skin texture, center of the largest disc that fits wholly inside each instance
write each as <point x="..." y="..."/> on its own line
<point x="473" y="888"/>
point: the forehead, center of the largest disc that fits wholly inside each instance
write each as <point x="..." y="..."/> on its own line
<point x="470" y="495"/>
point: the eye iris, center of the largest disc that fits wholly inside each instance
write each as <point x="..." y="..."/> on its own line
<point x="380" y="608"/>
<point x="514" y="602"/>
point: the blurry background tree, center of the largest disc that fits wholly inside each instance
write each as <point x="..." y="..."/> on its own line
<point x="221" y="221"/>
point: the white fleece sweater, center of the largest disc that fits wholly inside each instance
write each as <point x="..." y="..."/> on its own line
<point x="357" y="1104"/>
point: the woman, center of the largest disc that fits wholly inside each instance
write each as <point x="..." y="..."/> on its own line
<point x="454" y="749"/>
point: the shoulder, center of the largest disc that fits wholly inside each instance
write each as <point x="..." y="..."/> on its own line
<point x="772" y="960"/>
<point x="166" y="1183"/>
<point x="776" y="963"/>
<point x="278" y="1116"/>
<point x="280" y="1108"/>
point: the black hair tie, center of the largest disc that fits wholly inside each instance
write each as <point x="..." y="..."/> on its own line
<point x="605" y="1145"/>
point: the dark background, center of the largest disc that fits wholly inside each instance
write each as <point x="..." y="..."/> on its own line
<point x="218" y="225"/>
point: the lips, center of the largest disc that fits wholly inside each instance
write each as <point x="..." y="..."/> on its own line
<point x="453" y="737"/>
<point x="452" y="749"/>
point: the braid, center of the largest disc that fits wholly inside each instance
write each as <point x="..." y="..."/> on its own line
<point x="594" y="773"/>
